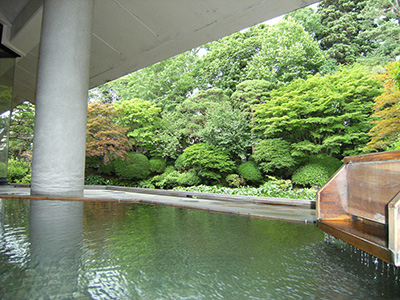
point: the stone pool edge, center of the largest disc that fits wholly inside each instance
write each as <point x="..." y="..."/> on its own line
<point x="296" y="210"/>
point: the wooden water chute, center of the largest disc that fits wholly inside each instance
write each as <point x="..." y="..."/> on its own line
<point x="360" y="204"/>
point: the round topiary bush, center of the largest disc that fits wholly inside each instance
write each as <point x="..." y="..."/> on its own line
<point x="317" y="171"/>
<point x="135" y="166"/>
<point x="311" y="174"/>
<point x="250" y="172"/>
<point x="157" y="165"/>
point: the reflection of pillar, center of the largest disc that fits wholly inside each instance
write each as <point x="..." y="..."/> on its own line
<point x="61" y="98"/>
<point x="55" y="232"/>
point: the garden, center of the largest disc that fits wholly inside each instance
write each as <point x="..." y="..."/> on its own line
<point x="269" y="111"/>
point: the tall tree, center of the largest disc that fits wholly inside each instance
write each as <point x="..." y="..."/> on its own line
<point x="287" y="53"/>
<point x="228" y="129"/>
<point x="224" y="64"/>
<point x="195" y="110"/>
<point x="342" y="25"/>
<point x="166" y="83"/>
<point x="381" y="26"/>
<point x="249" y="93"/>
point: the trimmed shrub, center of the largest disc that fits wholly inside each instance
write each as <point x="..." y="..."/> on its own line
<point x="19" y="171"/>
<point x="107" y="169"/>
<point x="169" y="169"/>
<point x="136" y="166"/>
<point x="317" y="171"/>
<point x="166" y="180"/>
<point x="206" y="158"/>
<point x="157" y="165"/>
<point x="311" y="174"/>
<point x="234" y="180"/>
<point x="189" y="179"/>
<point x="250" y="172"/>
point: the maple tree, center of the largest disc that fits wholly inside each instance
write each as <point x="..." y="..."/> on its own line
<point x="104" y="138"/>
<point x="386" y="113"/>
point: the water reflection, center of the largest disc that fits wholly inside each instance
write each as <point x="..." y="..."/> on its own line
<point x="55" y="234"/>
<point x="130" y="251"/>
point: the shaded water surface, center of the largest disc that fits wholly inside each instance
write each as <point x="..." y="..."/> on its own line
<point x="100" y="250"/>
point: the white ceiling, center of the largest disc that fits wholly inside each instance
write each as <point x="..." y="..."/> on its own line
<point x="131" y="34"/>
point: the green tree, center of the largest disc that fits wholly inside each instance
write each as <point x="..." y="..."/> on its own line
<point x="165" y="84"/>
<point x="228" y="129"/>
<point x="342" y="27"/>
<point x="21" y="131"/>
<point x="172" y="136"/>
<point x="287" y="52"/>
<point x="251" y="92"/>
<point x="142" y="119"/>
<point x="323" y="114"/>
<point x="274" y="156"/>
<point x="308" y="18"/>
<point x="209" y="161"/>
<point x="224" y="64"/>
<point x="382" y="28"/>
<point x="195" y="110"/>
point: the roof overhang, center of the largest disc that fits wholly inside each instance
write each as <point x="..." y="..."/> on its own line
<point x="131" y="34"/>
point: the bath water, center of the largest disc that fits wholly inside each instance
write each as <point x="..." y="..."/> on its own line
<point x="107" y="250"/>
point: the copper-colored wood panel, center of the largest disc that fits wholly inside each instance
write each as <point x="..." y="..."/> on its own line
<point x="371" y="186"/>
<point x="332" y="198"/>
<point x="389" y="155"/>
<point x="361" y="235"/>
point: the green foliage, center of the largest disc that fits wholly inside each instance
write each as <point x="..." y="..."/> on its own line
<point x="251" y="92"/>
<point x="311" y="174"/>
<point x="224" y="65"/>
<point x="135" y="166"/>
<point x="142" y="119"/>
<point x="209" y="159"/>
<point x="165" y="83"/>
<point x="250" y="172"/>
<point x="272" y="188"/>
<point x="323" y="114"/>
<point x="341" y="27"/>
<point x="188" y="179"/>
<point x="234" y="180"/>
<point x="157" y="165"/>
<point x="317" y="171"/>
<point x="167" y="180"/>
<point x="93" y="179"/>
<point x="287" y="53"/>
<point x="171" y="136"/>
<point x="273" y="154"/>
<point x="195" y="110"/>
<point x="18" y="171"/>
<point x="21" y="131"/>
<point x="308" y="18"/>
<point x="229" y="130"/>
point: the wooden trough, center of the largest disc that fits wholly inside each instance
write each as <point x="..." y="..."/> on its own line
<point x="360" y="204"/>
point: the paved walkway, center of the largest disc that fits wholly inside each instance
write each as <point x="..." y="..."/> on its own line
<point x="286" y="210"/>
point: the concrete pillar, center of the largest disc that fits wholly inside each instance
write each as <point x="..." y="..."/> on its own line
<point x="61" y="98"/>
